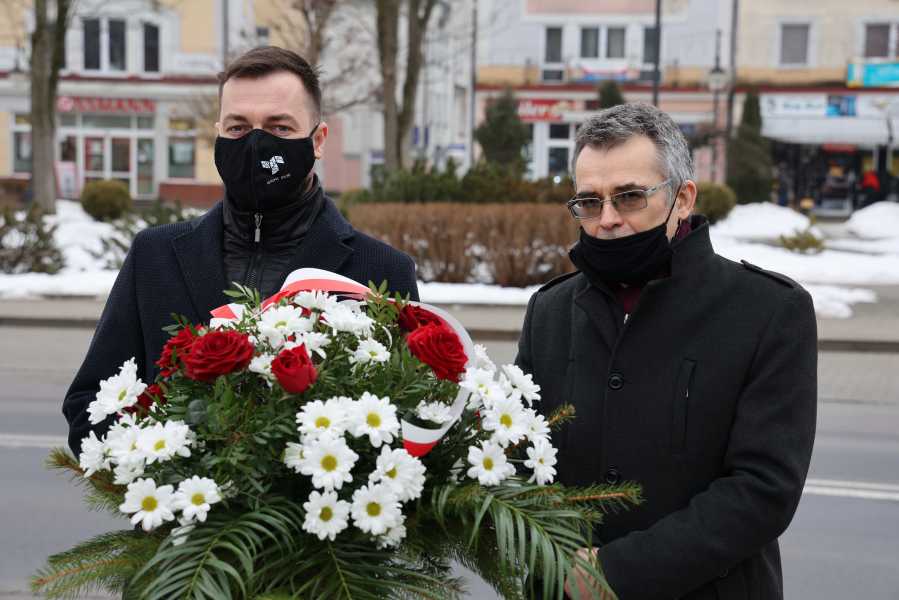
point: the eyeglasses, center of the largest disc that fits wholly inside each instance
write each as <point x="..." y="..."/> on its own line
<point x="623" y="202"/>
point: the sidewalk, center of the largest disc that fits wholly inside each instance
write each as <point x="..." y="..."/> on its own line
<point x="872" y="328"/>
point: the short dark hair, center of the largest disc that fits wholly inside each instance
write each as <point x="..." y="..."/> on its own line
<point x="265" y="60"/>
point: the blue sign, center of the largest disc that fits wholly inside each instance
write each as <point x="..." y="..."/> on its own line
<point x="840" y="106"/>
<point x="873" y="74"/>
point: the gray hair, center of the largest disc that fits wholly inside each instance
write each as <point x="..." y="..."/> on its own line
<point x="613" y="126"/>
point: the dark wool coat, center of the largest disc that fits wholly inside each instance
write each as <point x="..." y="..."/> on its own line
<point x="179" y="268"/>
<point x="705" y="396"/>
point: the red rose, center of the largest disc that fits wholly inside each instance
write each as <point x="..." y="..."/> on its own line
<point x="294" y="370"/>
<point x="217" y="353"/>
<point x="438" y="347"/>
<point x="412" y="317"/>
<point x="175" y="349"/>
<point x="152" y="395"/>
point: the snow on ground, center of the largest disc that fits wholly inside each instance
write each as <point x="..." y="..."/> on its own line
<point x="749" y="233"/>
<point x="880" y="220"/>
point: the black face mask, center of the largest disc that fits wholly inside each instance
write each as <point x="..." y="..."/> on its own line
<point x="262" y="171"/>
<point x="632" y="260"/>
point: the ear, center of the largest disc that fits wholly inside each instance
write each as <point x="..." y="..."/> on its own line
<point x="686" y="200"/>
<point x="218" y="128"/>
<point x="318" y="140"/>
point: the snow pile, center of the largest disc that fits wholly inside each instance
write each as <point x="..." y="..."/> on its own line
<point x="762" y="221"/>
<point x="835" y="302"/>
<point x="878" y="221"/>
<point x="473" y="293"/>
<point x="78" y="236"/>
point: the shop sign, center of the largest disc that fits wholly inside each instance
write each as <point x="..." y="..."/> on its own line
<point x="83" y="104"/>
<point x="880" y="74"/>
<point x="535" y="110"/>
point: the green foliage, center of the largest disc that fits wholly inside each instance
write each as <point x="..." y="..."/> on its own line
<point x="105" y="200"/>
<point x="714" y="201"/>
<point x="27" y="244"/>
<point x="802" y="242"/>
<point x="502" y="135"/>
<point x="610" y="95"/>
<point x="749" y="164"/>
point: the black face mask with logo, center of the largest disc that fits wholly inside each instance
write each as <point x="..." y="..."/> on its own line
<point x="264" y="172"/>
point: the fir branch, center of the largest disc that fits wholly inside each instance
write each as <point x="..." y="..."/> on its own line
<point x="101" y="493"/>
<point x="560" y="416"/>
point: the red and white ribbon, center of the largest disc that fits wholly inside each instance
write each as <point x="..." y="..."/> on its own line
<point x="418" y="441"/>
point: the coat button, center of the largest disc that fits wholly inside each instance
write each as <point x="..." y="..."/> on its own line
<point x="616" y="381"/>
<point x="724" y="573"/>
<point x="613" y="476"/>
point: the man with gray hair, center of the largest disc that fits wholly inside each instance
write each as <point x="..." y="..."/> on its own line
<point x="691" y="375"/>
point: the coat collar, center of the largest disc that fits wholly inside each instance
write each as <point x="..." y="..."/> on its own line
<point x="200" y="254"/>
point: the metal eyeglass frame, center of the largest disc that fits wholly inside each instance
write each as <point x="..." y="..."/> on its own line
<point x="646" y="194"/>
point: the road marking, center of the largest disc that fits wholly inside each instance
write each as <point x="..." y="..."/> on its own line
<point x="864" y="490"/>
<point x="31" y="440"/>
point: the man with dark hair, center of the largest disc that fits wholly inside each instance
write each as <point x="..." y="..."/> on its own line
<point x="690" y="375"/>
<point x="275" y="218"/>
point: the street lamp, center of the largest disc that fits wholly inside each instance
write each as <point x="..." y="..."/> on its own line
<point x="717" y="81"/>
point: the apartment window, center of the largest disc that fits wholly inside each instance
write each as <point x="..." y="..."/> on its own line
<point x="22" y="152"/>
<point x="615" y="42"/>
<point x="650" y="46"/>
<point x="151" y="48"/>
<point x="794" y="44"/>
<point x="590" y="42"/>
<point x="181" y="158"/>
<point x="559" y="131"/>
<point x="877" y="40"/>
<point x="92" y="44"/>
<point x="117" y="58"/>
<point x="553" y="45"/>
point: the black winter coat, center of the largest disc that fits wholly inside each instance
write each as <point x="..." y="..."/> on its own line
<point x="179" y="268"/>
<point x="706" y="396"/>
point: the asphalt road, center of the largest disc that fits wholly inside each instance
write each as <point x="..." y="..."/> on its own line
<point x="841" y="544"/>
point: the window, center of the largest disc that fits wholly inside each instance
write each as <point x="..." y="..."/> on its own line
<point x="877" y="40"/>
<point x="181" y="158"/>
<point x="262" y="36"/>
<point x="151" y="48"/>
<point x="117" y="58"/>
<point x="615" y="42"/>
<point x="590" y="42"/>
<point x="92" y="44"/>
<point x="553" y="45"/>
<point x="559" y="131"/>
<point x="146" y="122"/>
<point x="22" y="152"/>
<point x="106" y="121"/>
<point x="558" y="160"/>
<point x="650" y="46"/>
<point x="794" y="44"/>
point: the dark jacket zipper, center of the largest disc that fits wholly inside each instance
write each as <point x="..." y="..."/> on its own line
<point x="256" y="262"/>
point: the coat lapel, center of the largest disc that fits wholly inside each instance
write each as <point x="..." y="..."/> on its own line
<point x="201" y="259"/>
<point x="324" y="246"/>
<point x="592" y="309"/>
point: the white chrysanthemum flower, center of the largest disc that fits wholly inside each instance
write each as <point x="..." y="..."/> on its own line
<point x="507" y="420"/>
<point x="293" y="456"/>
<point x="277" y="323"/>
<point x="477" y="381"/>
<point x="116" y="393"/>
<point x="317" y="417"/>
<point x="488" y="464"/>
<point x="403" y="473"/>
<point x="347" y="318"/>
<point x="194" y="498"/>
<point x="369" y="351"/>
<point x="393" y="537"/>
<point x="374" y="417"/>
<point x="513" y="379"/>
<point x="127" y="472"/>
<point x="542" y="460"/>
<point x="536" y="426"/>
<point x="151" y="506"/>
<point x="95" y="455"/>
<point x="326" y="515"/>
<point x="314" y="342"/>
<point x="161" y="442"/>
<point x="315" y="300"/>
<point x="482" y="360"/>
<point x="328" y="460"/>
<point x="376" y="509"/>
<point x="262" y="365"/>
<point x="437" y="412"/>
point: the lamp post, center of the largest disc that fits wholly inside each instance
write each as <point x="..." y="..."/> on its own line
<point x="717" y="80"/>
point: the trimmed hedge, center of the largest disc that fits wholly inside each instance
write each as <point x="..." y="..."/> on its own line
<point x="714" y="201"/>
<point x="106" y="200"/>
